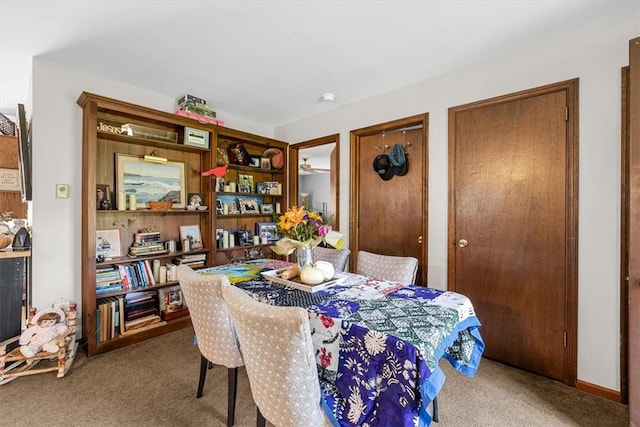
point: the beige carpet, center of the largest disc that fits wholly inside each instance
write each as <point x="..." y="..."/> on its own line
<point x="153" y="383"/>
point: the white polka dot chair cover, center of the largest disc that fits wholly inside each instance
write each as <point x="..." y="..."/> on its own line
<point x="279" y="358"/>
<point x="215" y="332"/>
<point x="393" y="268"/>
<point x="337" y="257"/>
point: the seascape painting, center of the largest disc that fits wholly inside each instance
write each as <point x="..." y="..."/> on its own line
<point x="150" y="181"/>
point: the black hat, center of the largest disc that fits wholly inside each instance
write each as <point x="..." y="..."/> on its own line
<point x="398" y="160"/>
<point x="382" y="165"/>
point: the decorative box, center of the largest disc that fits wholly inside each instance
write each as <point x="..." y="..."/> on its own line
<point x="200" y="118"/>
<point x="149" y="133"/>
<point x="168" y="315"/>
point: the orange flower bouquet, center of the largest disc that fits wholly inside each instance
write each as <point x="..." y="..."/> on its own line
<point x="301" y="228"/>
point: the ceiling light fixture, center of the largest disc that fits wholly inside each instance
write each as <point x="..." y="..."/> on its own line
<point x="328" y="97"/>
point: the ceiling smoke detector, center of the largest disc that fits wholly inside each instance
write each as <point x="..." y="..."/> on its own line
<point x="328" y="97"/>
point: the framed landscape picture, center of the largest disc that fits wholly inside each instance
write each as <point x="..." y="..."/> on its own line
<point x="151" y="181"/>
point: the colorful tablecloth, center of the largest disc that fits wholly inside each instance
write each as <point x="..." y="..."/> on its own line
<point x="378" y="344"/>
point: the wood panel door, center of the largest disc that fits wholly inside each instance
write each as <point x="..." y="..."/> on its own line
<point x="390" y="217"/>
<point x="513" y="224"/>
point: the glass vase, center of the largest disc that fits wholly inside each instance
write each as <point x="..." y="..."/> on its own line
<point x="304" y="257"/>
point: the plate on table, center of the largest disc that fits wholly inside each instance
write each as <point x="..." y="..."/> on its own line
<point x="273" y="276"/>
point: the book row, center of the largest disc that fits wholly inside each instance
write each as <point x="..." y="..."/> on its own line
<point x="136" y="311"/>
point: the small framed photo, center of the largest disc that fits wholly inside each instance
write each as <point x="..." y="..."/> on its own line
<point x="266" y="208"/>
<point x="244" y="179"/>
<point x="103" y="196"/>
<point x="173" y="300"/>
<point x="219" y="207"/>
<point x="244" y="188"/>
<point x="248" y="205"/>
<point x="254" y="161"/>
<point x="195" y="201"/>
<point x="191" y="232"/>
<point x="268" y="230"/>
<point x="245" y="237"/>
<point x="108" y="244"/>
<point x="265" y="163"/>
<point x="261" y="188"/>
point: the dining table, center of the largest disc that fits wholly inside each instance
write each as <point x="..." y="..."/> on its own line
<point x="378" y="343"/>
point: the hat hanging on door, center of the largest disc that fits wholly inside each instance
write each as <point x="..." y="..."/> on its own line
<point x="399" y="161"/>
<point x="383" y="167"/>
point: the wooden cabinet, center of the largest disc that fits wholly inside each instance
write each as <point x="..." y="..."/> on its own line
<point x="105" y="139"/>
<point x="114" y="130"/>
<point x="260" y="192"/>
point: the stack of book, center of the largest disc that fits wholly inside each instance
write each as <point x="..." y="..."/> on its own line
<point x="195" y="105"/>
<point x="147" y="244"/>
<point x="192" y="260"/>
<point x="197" y="108"/>
<point x="140" y="310"/>
<point x="108" y="279"/>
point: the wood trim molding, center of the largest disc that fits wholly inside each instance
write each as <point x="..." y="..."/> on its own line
<point x="597" y="390"/>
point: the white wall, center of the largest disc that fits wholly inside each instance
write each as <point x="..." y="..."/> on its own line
<point x="318" y="187"/>
<point x="596" y="59"/>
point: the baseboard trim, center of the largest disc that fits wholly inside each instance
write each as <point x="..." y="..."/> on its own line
<point x="598" y="391"/>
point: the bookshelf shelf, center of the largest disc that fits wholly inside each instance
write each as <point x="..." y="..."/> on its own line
<point x="153" y="212"/>
<point x="103" y="119"/>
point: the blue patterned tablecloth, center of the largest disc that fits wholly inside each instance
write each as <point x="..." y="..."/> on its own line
<point x="378" y="344"/>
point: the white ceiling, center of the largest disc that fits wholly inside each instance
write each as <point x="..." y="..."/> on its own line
<point x="270" y="61"/>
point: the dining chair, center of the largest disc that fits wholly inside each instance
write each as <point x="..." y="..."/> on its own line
<point x="337" y="257"/>
<point x="278" y="353"/>
<point x="395" y="268"/>
<point x="215" y="333"/>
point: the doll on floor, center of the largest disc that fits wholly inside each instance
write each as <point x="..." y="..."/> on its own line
<point x="48" y="325"/>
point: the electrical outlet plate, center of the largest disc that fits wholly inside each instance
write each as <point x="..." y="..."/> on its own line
<point x="62" y="191"/>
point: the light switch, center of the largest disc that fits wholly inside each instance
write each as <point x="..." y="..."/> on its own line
<point x="62" y="191"/>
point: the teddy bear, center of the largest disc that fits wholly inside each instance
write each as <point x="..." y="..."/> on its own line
<point x="48" y="325"/>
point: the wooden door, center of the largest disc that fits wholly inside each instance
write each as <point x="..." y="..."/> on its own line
<point x="390" y="217"/>
<point x="633" y="258"/>
<point x="513" y="227"/>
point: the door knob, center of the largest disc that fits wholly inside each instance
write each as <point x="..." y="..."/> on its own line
<point x="420" y="240"/>
<point x="463" y="243"/>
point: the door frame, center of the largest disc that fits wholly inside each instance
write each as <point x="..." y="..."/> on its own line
<point x="631" y="255"/>
<point x="570" y="87"/>
<point x="294" y="161"/>
<point x="354" y="181"/>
